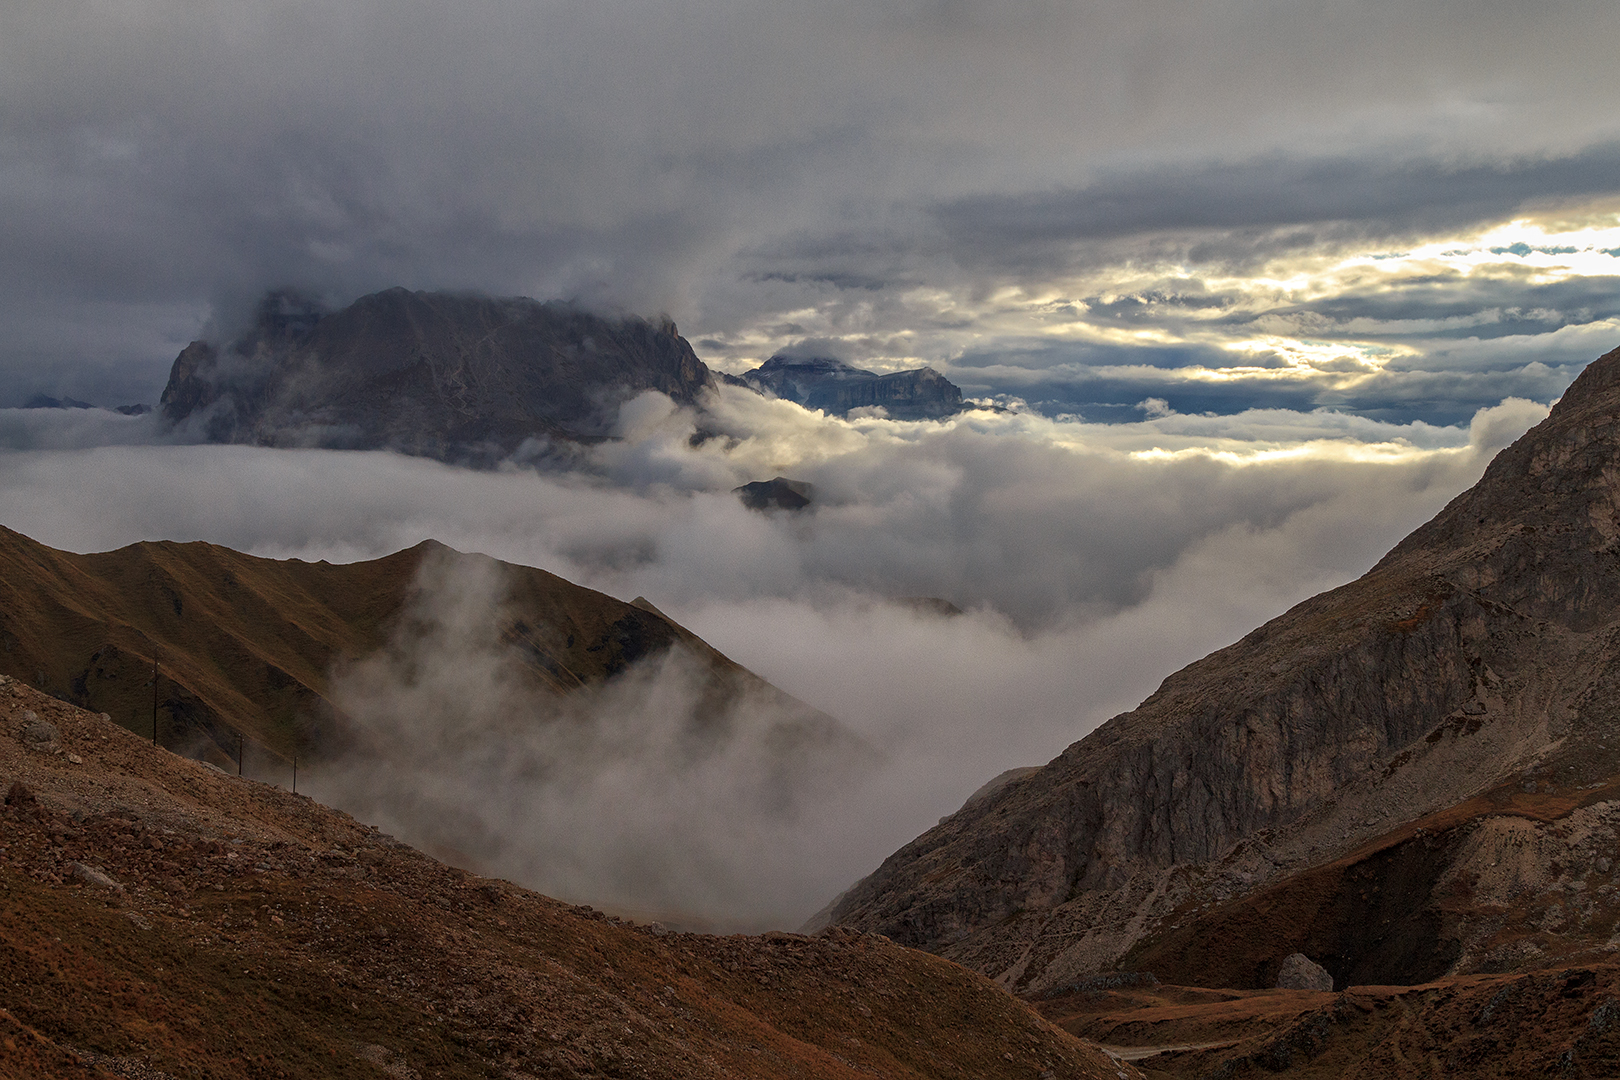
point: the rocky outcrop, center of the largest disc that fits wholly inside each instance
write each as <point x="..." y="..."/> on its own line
<point x="1300" y="972"/>
<point x="1485" y="645"/>
<point x="452" y="376"/>
<point x="836" y="388"/>
<point x="777" y="494"/>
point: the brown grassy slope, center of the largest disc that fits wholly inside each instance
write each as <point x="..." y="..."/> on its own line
<point x="255" y="933"/>
<point x="247" y="644"/>
<point x="1563" y="1022"/>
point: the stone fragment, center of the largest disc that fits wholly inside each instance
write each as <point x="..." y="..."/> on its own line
<point x="90" y="875"/>
<point x="39" y="734"/>
<point x="1300" y="972"/>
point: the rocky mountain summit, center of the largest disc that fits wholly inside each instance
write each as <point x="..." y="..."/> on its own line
<point x="476" y="380"/>
<point x="1415" y="775"/>
<point x="836" y="388"/>
<point x="779" y="493"/>
<point x="458" y="377"/>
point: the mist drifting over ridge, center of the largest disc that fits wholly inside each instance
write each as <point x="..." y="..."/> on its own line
<point x="653" y="793"/>
<point x="1091" y="560"/>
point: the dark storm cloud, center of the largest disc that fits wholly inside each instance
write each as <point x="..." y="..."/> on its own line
<point x="1380" y="196"/>
<point x="1477" y="306"/>
<point x="740" y="165"/>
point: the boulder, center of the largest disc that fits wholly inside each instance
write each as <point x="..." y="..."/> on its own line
<point x="91" y="875"/>
<point x="1300" y="972"/>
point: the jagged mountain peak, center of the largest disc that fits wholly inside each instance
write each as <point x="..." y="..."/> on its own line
<point x="457" y="376"/>
<point x="837" y="388"/>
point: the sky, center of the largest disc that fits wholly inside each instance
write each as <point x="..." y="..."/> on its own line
<point x="1261" y="285"/>
<point x="1401" y="210"/>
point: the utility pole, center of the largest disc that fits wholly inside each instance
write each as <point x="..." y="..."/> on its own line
<point x="238" y="753"/>
<point x="295" y="774"/>
<point x="154" y="696"/>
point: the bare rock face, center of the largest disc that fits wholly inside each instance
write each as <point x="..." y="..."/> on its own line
<point x="778" y="494"/>
<point x="836" y="388"/>
<point x="451" y="376"/>
<point x="1300" y="972"/>
<point x="1482" y="654"/>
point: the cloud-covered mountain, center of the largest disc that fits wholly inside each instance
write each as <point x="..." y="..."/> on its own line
<point x="1080" y="207"/>
<point x="445" y="375"/>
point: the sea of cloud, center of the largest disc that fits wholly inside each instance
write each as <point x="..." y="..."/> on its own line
<point x="1089" y="561"/>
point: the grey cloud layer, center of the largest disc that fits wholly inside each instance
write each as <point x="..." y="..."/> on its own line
<point x="1381" y="196"/>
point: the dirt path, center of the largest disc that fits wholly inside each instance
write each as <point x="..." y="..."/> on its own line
<point x="1137" y="1053"/>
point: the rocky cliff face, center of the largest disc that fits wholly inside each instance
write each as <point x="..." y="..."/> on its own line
<point x="451" y="376"/>
<point x="1480" y="656"/>
<point x="836" y="388"/>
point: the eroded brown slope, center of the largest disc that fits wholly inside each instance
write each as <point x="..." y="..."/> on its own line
<point x="254" y="933"/>
<point x="249" y="645"/>
<point x="1482" y="647"/>
<point x="1561" y="1022"/>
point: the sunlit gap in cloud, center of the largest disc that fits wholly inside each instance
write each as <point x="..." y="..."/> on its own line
<point x="1421" y="327"/>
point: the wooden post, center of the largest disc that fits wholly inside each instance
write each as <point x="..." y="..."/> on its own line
<point x="295" y="774"/>
<point x="238" y="753"/>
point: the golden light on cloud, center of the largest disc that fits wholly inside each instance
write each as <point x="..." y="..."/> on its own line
<point x="1214" y="322"/>
<point x="1395" y="452"/>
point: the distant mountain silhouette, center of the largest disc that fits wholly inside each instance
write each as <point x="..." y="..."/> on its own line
<point x="837" y="388"/>
<point x="778" y="494"/>
<point x="44" y="401"/>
